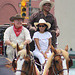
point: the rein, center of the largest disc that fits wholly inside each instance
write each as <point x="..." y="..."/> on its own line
<point x="37" y="64"/>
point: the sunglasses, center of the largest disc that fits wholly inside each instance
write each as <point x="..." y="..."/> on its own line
<point x="41" y="25"/>
<point x="47" y="4"/>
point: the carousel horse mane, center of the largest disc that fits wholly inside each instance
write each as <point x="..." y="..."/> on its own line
<point x="28" y="66"/>
<point x="48" y="64"/>
<point x="55" y="53"/>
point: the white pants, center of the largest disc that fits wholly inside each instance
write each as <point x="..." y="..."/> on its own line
<point x="40" y="56"/>
<point x="10" y="54"/>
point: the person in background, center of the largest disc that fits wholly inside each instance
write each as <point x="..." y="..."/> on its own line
<point x="16" y="34"/>
<point x="42" y="39"/>
<point x="45" y="7"/>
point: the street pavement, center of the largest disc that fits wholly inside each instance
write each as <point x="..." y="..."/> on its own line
<point x="4" y="70"/>
<point x="72" y="71"/>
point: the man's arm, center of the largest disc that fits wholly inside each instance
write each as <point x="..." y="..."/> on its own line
<point x="6" y="38"/>
<point x="56" y="28"/>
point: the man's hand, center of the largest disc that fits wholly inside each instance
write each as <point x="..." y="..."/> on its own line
<point x="21" y="46"/>
<point x="57" y="32"/>
<point x="13" y="45"/>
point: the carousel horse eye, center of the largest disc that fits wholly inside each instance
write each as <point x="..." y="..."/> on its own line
<point x="56" y="61"/>
<point x="26" y="62"/>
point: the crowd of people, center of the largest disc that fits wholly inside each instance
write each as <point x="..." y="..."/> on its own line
<point x="43" y="32"/>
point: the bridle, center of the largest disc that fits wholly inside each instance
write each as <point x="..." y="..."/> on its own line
<point x="31" y="63"/>
<point x="56" y="71"/>
<point x="25" y="72"/>
<point x="22" y="71"/>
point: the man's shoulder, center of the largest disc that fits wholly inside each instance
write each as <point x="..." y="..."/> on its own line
<point x="25" y="29"/>
<point x="10" y="28"/>
<point x="50" y="14"/>
<point x="36" y="13"/>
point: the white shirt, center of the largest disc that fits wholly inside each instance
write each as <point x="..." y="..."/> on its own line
<point x="43" y="40"/>
<point x="9" y="34"/>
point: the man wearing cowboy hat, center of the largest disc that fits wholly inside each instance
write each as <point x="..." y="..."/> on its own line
<point x="16" y="34"/>
<point x="45" y="7"/>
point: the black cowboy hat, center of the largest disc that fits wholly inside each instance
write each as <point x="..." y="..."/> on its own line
<point x="17" y="16"/>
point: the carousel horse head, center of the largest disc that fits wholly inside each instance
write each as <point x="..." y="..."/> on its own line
<point x="58" y="62"/>
<point x="25" y="64"/>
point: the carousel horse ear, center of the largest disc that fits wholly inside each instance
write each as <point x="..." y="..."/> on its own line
<point x="53" y="49"/>
<point x="18" y="49"/>
<point x="66" y="48"/>
<point x="70" y="61"/>
<point x="14" y="64"/>
<point x="28" y="48"/>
